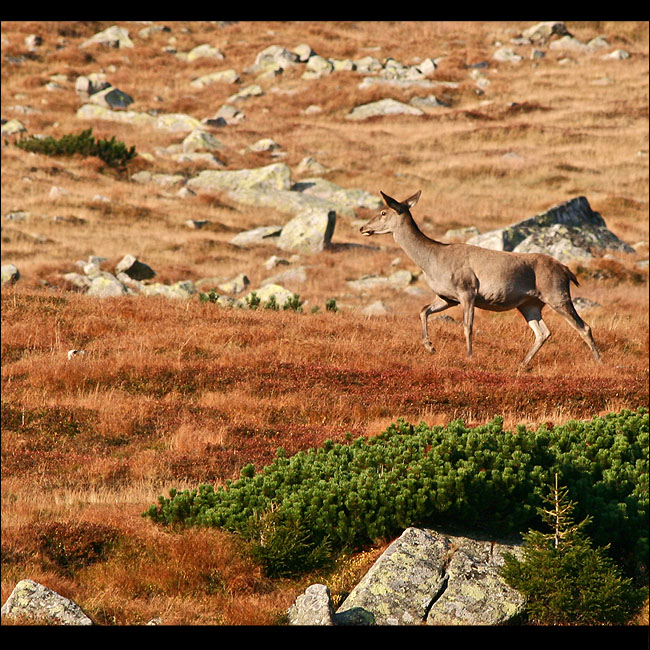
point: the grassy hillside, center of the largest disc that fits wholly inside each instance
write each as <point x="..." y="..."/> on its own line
<point x="177" y="393"/>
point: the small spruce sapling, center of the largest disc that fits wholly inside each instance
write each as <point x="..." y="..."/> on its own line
<point x="565" y="579"/>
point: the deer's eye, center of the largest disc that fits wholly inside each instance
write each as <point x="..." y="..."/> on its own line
<point x="383" y="213"/>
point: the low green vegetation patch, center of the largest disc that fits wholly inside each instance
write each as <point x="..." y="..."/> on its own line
<point x="313" y="505"/>
<point x="113" y="153"/>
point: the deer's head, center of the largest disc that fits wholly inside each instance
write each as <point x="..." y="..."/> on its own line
<point x="389" y="217"/>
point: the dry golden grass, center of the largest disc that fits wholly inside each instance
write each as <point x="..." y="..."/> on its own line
<point x="175" y="393"/>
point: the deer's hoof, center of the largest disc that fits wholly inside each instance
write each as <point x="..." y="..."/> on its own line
<point x="428" y="346"/>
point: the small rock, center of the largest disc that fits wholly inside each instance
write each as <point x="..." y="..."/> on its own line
<point x="313" y="607"/>
<point x="10" y="274"/>
<point x="382" y="107"/>
<point x="257" y="236"/>
<point x="377" y="308"/>
<point x="310" y="232"/>
<point x="265" y="293"/>
<point x="135" y="269"/>
<point x="114" y="36"/>
<point x="35" y="601"/>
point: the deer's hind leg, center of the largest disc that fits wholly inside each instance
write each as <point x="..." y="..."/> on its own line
<point x="569" y="312"/>
<point x="532" y="312"/>
<point x="439" y="304"/>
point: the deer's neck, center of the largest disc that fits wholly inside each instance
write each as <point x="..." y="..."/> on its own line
<point x="415" y="243"/>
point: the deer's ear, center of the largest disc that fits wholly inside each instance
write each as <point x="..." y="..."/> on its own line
<point x="412" y="200"/>
<point x="392" y="203"/>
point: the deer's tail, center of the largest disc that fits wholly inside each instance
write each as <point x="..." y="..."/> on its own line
<point x="571" y="275"/>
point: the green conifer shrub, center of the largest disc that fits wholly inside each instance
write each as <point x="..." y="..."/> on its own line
<point x="113" y="153"/>
<point x="564" y="578"/>
<point x="483" y="477"/>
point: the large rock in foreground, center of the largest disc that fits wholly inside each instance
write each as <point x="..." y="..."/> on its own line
<point x="31" y="600"/>
<point x="568" y="231"/>
<point x="424" y="577"/>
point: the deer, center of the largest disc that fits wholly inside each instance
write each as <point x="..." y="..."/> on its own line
<point x="475" y="277"/>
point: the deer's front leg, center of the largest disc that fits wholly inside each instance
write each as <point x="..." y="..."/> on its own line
<point x="437" y="305"/>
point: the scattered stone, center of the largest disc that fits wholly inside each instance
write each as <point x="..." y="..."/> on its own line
<point x="276" y="176"/>
<point x="382" y="107"/>
<point x="229" y="76"/>
<point x="114" y="36"/>
<point x="72" y="354"/>
<point x="581" y="303"/>
<point x="303" y="52"/>
<point x="264" y="293"/>
<point x="204" y="51"/>
<point x="183" y="289"/>
<point x="462" y="234"/>
<point x="377" y="308"/>
<point x="274" y="261"/>
<point x="569" y="43"/>
<point x="10" y="274"/>
<point x="257" y="236"/>
<point x="112" y="98"/>
<point x="200" y="140"/>
<point x="33" y="42"/>
<point x="34" y="601"/>
<point x="236" y="285"/>
<point x="507" y="55"/>
<point x="544" y="31"/>
<point x="274" y="57"/>
<point x="176" y="122"/>
<point x="254" y="90"/>
<point x="310" y="166"/>
<point x="310" y="232"/>
<point x="135" y="269"/>
<point x="89" y="85"/>
<point x="290" y="278"/>
<point x="11" y="127"/>
<point x="227" y="114"/>
<point x="106" y="285"/>
<point x="617" y="55"/>
<point x="313" y="607"/>
<point x="568" y="231"/>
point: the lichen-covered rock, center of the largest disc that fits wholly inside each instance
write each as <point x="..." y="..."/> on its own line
<point x="382" y="107"/>
<point x="310" y="232"/>
<point x="475" y="593"/>
<point x="276" y="176"/>
<point x="313" y="607"/>
<point x="257" y="236"/>
<point x="105" y="285"/>
<point x="426" y="576"/>
<point x="134" y="268"/>
<point x="342" y="197"/>
<point x="112" y="98"/>
<point x="200" y="140"/>
<point x="176" y="122"/>
<point x="34" y="601"/>
<point x="113" y="36"/>
<point x="570" y="230"/>
<point x="265" y="293"/>
<point x="400" y="586"/>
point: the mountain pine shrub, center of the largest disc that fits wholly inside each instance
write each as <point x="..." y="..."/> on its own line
<point x="484" y="477"/>
<point x="113" y="153"/>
